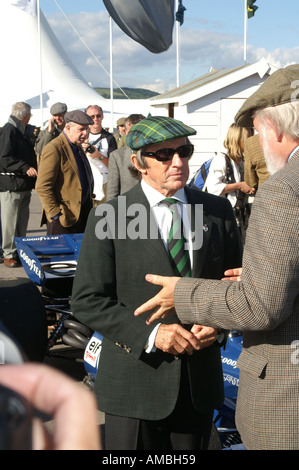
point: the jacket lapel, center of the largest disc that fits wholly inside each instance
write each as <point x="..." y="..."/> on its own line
<point x="69" y="153"/>
<point x="201" y="226"/>
<point x="154" y="246"/>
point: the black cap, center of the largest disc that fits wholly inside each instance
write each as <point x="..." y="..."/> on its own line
<point x="79" y="117"/>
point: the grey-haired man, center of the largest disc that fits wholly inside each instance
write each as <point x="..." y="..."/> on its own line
<point x="157" y="385"/>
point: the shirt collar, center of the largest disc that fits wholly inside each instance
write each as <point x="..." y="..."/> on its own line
<point x="292" y="153"/>
<point x="154" y="197"/>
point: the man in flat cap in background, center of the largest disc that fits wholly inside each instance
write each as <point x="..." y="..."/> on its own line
<point x="264" y="303"/>
<point x="120" y="135"/>
<point x="158" y="386"/>
<point x="120" y="178"/>
<point x="55" y="125"/>
<point x="65" y="183"/>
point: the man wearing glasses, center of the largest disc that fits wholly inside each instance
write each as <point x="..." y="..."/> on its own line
<point x="157" y="385"/>
<point x="98" y="147"/>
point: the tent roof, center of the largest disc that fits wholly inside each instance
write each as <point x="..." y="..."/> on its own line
<point x="21" y="79"/>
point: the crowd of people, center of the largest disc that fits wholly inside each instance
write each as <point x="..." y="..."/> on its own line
<point x="160" y="376"/>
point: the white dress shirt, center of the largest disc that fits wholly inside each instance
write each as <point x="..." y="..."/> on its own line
<point x="163" y="217"/>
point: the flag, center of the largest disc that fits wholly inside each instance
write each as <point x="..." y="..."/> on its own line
<point x="179" y="16"/>
<point x="251" y="8"/>
<point x="26" y="5"/>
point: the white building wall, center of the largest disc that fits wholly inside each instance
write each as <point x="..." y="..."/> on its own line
<point x="212" y="115"/>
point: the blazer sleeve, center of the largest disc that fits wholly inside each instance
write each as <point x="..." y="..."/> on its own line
<point x="113" y="183"/>
<point x="95" y="300"/>
<point x="265" y="296"/>
<point x="48" y="171"/>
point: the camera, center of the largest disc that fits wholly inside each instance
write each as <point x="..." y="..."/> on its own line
<point x="16" y="416"/>
<point x="90" y="149"/>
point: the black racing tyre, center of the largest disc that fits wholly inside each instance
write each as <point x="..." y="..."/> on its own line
<point x="22" y="313"/>
<point x="78" y="336"/>
<point x="70" y="341"/>
<point x="77" y="326"/>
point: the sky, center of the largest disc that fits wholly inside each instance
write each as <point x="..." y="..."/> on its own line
<point x="212" y="36"/>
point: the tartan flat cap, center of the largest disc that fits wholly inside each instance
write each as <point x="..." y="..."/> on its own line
<point x="79" y="117"/>
<point x="58" y="108"/>
<point x="156" y="129"/>
<point x="281" y="87"/>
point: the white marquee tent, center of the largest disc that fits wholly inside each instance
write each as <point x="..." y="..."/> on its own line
<point x="34" y="65"/>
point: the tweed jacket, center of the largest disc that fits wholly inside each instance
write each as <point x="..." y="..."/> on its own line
<point x="110" y="283"/>
<point x="58" y="183"/>
<point x="120" y="179"/>
<point x="265" y="305"/>
<point x="255" y="169"/>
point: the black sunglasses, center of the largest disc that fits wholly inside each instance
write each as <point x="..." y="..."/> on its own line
<point x="164" y="155"/>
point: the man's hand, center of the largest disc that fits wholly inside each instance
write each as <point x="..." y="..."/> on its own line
<point x="174" y="339"/>
<point x="206" y="335"/>
<point x="51" y="124"/>
<point x="232" y="274"/>
<point x="31" y="172"/>
<point x="72" y="406"/>
<point x="163" y="302"/>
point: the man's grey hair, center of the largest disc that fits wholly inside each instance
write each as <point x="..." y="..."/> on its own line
<point x="284" y="118"/>
<point x="20" y="109"/>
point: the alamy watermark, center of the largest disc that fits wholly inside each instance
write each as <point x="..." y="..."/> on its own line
<point x="136" y="221"/>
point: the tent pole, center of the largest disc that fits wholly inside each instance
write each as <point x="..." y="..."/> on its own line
<point x="111" y="73"/>
<point x="40" y="64"/>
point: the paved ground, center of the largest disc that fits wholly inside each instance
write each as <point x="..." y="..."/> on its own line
<point x="61" y="357"/>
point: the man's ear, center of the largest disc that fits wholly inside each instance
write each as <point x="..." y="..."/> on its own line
<point x="134" y="162"/>
<point x="278" y="135"/>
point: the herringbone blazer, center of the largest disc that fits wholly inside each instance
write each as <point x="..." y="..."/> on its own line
<point x="120" y="179"/>
<point x="265" y="305"/>
<point x="110" y="284"/>
<point x="255" y="169"/>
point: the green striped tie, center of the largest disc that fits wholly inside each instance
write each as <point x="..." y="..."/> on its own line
<point x="179" y="257"/>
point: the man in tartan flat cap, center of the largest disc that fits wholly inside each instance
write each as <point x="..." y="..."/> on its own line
<point x="158" y="385"/>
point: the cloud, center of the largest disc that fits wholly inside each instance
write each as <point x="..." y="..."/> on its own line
<point x="135" y="66"/>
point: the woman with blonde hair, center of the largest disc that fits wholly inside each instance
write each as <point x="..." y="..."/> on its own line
<point x="226" y="174"/>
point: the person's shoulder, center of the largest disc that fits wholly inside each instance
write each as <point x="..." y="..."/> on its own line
<point x="212" y="205"/>
<point x="121" y="153"/>
<point x="200" y="196"/>
<point x="283" y="180"/>
<point x="106" y="133"/>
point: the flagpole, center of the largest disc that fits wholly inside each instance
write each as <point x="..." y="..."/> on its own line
<point x="111" y="72"/>
<point x="177" y="49"/>
<point x="245" y="31"/>
<point x="40" y="63"/>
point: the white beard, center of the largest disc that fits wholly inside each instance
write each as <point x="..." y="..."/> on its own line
<point x="274" y="162"/>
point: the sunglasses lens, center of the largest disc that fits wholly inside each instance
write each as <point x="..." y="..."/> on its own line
<point x="164" y="155"/>
<point x="185" y="151"/>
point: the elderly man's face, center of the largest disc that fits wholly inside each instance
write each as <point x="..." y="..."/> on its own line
<point x="77" y="133"/>
<point x="274" y="152"/>
<point x="170" y="176"/>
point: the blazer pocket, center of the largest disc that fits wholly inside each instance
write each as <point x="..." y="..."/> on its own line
<point x="252" y="364"/>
